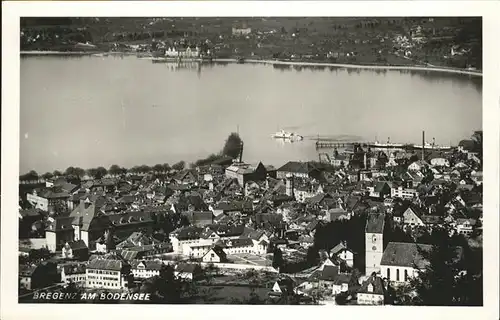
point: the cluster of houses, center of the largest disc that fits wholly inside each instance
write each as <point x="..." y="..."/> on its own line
<point x="233" y="212"/>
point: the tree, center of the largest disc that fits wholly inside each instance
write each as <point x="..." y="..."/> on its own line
<point x="92" y="172"/>
<point x="32" y="175"/>
<point x="278" y="260"/>
<point x="477" y="137"/>
<point x="442" y="282"/>
<point x="115" y="170"/>
<point x="75" y="171"/>
<point x="57" y="173"/>
<point x="101" y="172"/>
<point x="47" y="175"/>
<point x="158" y="168"/>
<point x="179" y="166"/>
<point x="312" y="256"/>
<point x="233" y="146"/>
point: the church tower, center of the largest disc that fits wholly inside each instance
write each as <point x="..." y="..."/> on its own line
<point x="374" y="243"/>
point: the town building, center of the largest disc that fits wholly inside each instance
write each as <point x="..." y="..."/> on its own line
<point x="105" y="274"/>
<point x="144" y="269"/>
<point x="402" y="261"/>
<point x="74" y="273"/>
<point x="374" y="242"/>
<point x="372" y="291"/>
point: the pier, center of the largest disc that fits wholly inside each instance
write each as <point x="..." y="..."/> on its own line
<point x="339" y="144"/>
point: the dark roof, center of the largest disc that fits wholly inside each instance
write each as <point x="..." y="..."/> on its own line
<point x="30" y="213"/>
<point x="375" y="223"/>
<point x="219" y="252"/>
<point x="377" y="284"/>
<point x="86" y="211"/>
<point x="60" y="224"/>
<point x="467" y="144"/>
<point x="404" y="254"/>
<point x="186" y="267"/>
<point x="298" y="167"/>
<point x="104" y="264"/>
<point x="379" y="186"/>
<point x="77" y="245"/>
<point x="148" y="264"/>
<point x="329" y="273"/>
<point x="245" y="242"/>
<point x="74" y="268"/>
<point x="431" y="219"/>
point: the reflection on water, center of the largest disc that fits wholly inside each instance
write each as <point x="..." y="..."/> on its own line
<point x="89" y="111"/>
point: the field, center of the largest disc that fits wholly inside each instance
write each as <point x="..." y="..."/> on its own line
<point x="242" y="258"/>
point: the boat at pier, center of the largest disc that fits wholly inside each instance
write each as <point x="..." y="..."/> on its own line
<point x="431" y="146"/>
<point x="287" y="135"/>
<point x="388" y="144"/>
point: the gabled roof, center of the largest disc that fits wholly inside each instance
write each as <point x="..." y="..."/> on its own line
<point x="404" y="255"/>
<point x="77" y="245"/>
<point x="60" y="224"/>
<point x="375" y="223"/>
<point x="105" y="264"/>
<point x="83" y="214"/>
<point x="297" y="167"/>
<point x="186" y="268"/>
<point x="376" y="283"/>
<point x="148" y="264"/>
<point x="338" y="248"/>
<point x="329" y="273"/>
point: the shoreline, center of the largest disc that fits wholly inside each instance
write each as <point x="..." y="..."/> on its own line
<point x="275" y="62"/>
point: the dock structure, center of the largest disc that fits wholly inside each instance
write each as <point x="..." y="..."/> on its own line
<point x="339" y="144"/>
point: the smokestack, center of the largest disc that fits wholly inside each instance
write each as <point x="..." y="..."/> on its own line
<point x="423" y="145"/>
<point x="241" y="152"/>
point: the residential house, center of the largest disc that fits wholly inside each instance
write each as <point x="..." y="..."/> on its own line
<point x="412" y="217"/>
<point x="241" y="31"/>
<point x="342" y="253"/>
<point x="466" y="146"/>
<point x="216" y="255"/>
<point x="337" y="214"/>
<point x="144" y="269"/>
<point x="380" y="190"/>
<point x="105" y="274"/>
<point x="418" y="165"/>
<point x="340" y="160"/>
<point x="25" y="275"/>
<point x="439" y="162"/>
<point x="464" y="226"/>
<point x="399" y="191"/>
<point x="47" y="199"/>
<point x="244" y="173"/>
<point x="372" y="291"/>
<point x="187" y="271"/>
<point x="75" y="250"/>
<point x="186" y="177"/>
<point x="298" y="169"/>
<point x="74" y="273"/>
<point x="199" y="219"/>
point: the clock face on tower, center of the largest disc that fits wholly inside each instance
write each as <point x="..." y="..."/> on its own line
<point x="374" y="248"/>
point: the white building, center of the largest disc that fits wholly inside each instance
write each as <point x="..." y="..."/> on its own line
<point x="402" y="261"/>
<point x="145" y="269"/>
<point x="372" y="291"/>
<point x="403" y="193"/>
<point x="374" y="244"/>
<point x="74" y="274"/>
<point x="105" y="274"/>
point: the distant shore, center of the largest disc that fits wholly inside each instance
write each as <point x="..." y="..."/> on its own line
<point x="277" y="62"/>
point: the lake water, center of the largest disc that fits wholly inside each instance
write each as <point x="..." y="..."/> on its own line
<point x="91" y="111"/>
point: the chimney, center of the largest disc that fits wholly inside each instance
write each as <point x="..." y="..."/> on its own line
<point x="423" y="145"/>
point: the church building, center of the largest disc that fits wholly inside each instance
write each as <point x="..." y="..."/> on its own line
<point x="374" y="248"/>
